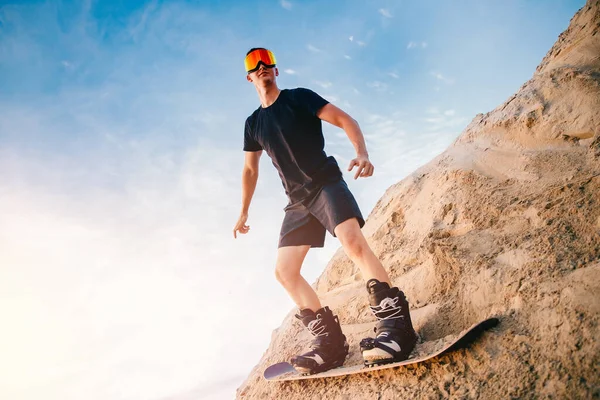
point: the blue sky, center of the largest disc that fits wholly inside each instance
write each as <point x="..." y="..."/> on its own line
<point x="121" y="130"/>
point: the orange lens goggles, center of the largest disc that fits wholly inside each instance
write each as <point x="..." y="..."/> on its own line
<point x="253" y="60"/>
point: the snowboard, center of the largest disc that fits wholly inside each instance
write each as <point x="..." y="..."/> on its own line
<point x="427" y="350"/>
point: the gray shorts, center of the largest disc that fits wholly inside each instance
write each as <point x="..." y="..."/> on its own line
<point x="305" y="224"/>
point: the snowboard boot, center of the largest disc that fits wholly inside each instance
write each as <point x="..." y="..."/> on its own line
<point x="395" y="336"/>
<point x="329" y="348"/>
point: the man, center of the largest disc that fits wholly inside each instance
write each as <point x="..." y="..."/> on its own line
<point x="287" y="126"/>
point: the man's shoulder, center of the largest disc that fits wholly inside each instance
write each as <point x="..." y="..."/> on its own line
<point x="300" y="90"/>
<point x="303" y="95"/>
<point x="252" y="116"/>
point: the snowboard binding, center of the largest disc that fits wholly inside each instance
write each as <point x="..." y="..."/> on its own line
<point x="395" y="337"/>
<point x="329" y="347"/>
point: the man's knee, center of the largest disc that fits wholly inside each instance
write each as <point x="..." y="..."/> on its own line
<point x="285" y="275"/>
<point x="355" y="247"/>
<point x="289" y="262"/>
<point x="351" y="238"/>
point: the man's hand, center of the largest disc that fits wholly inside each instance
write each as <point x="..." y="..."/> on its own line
<point x="365" y="168"/>
<point x="241" y="226"/>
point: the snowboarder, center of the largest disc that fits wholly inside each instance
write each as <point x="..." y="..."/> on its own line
<point x="287" y="125"/>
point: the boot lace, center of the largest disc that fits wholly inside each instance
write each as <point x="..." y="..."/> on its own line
<point x="316" y="327"/>
<point x="388" y="308"/>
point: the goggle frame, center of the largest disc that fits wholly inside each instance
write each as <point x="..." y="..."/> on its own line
<point x="258" y="57"/>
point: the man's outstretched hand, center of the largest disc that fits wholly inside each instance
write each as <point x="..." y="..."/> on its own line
<point x="364" y="167"/>
<point x="241" y="226"/>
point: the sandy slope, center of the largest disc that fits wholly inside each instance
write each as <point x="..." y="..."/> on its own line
<point x="506" y="222"/>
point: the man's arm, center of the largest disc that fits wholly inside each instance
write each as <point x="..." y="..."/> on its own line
<point x="339" y="118"/>
<point x="249" y="179"/>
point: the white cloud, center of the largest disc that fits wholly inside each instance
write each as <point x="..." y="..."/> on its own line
<point x="412" y="45"/>
<point x="289" y="71"/>
<point x="347" y="57"/>
<point x="313" y="48"/>
<point x="324" y="85"/>
<point x="377" y="85"/>
<point x="446" y="121"/>
<point x="140" y="23"/>
<point x="393" y="75"/>
<point x="286" y="4"/>
<point x="386" y="13"/>
<point x="442" y="78"/>
<point x="360" y="43"/>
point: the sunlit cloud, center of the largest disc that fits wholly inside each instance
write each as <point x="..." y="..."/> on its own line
<point x="324" y="85"/>
<point x="412" y="45"/>
<point x="444" y="121"/>
<point x="393" y="75"/>
<point x="437" y="112"/>
<point x="331" y="98"/>
<point x="442" y="78"/>
<point x="313" y="48"/>
<point x="67" y="64"/>
<point x="360" y="43"/>
<point x="289" y="71"/>
<point x="286" y="4"/>
<point x="347" y="57"/>
<point x="386" y="13"/>
<point x="377" y="85"/>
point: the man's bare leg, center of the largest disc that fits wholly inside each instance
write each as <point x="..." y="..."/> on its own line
<point x="396" y="336"/>
<point x="330" y="348"/>
<point x="358" y="250"/>
<point x="287" y="271"/>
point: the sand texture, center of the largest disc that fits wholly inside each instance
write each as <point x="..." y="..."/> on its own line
<point x="504" y="223"/>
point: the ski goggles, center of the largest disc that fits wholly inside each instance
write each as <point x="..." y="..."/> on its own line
<point x="254" y="59"/>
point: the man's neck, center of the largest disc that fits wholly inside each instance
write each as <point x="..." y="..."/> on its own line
<point x="268" y="94"/>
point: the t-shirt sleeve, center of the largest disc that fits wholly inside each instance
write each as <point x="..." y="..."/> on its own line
<point x="250" y="144"/>
<point x="309" y="99"/>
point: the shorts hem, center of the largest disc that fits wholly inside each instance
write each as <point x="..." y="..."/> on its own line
<point x="361" y="223"/>
<point x="312" y="245"/>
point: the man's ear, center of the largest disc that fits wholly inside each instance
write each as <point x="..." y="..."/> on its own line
<point x="276" y="71"/>
<point x="248" y="78"/>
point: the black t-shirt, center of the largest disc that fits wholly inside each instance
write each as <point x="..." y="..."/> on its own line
<point x="291" y="134"/>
